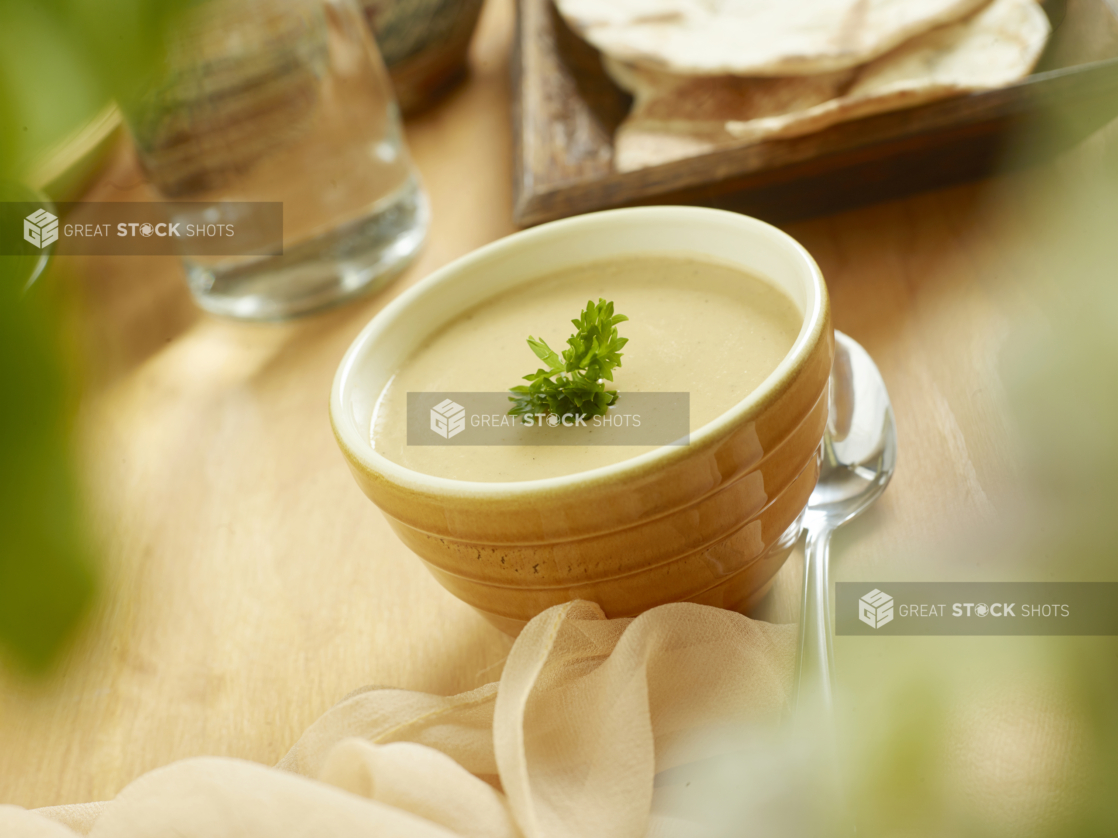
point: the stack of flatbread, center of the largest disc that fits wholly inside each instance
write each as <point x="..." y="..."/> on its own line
<point x="710" y="74"/>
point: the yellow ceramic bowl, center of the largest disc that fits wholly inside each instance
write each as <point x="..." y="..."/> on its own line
<point x="708" y="522"/>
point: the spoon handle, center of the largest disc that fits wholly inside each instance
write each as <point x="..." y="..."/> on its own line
<point x="815" y="674"/>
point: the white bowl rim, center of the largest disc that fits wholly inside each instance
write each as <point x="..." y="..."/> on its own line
<point x="361" y="449"/>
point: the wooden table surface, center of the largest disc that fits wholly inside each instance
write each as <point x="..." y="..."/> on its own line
<point x="249" y="585"/>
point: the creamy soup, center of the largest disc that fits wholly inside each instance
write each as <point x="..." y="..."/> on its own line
<point x="695" y="326"/>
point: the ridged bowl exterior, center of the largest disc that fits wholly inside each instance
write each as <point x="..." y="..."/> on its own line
<point x="697" y="529"/>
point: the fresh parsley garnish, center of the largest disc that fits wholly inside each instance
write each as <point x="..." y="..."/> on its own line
<point x="574" y="384"/>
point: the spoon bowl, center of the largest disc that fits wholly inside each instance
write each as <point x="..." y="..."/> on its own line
<point x="860" y="446"/>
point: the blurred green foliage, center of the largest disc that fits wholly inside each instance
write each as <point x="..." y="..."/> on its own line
<point x="1018" y="736"/>
<point x="45" y="573"/>
<point x="61" y="61"/>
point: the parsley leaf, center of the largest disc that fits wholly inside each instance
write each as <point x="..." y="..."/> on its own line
<point x="574" y="384"/>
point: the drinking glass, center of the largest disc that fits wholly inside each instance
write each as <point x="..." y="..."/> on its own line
<point x="282" y="101"/>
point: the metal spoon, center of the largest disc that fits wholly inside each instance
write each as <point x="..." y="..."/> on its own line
<point x="859" y="457"/>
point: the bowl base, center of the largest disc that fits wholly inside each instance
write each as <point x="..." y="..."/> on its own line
<point x="740" y="592"/>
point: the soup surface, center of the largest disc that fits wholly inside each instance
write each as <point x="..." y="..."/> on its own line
<point x="695" y="326"/>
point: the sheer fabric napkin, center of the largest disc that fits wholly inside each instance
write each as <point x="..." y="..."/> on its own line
<point x="588" y="710"/>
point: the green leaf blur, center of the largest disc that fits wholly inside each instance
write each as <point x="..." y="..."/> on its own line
<point x="61" y="62"/>
<point x="45" y="573"/>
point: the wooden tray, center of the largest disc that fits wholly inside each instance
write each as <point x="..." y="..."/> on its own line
<point x="566" y="110"/>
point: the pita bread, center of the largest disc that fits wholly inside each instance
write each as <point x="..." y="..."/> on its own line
<point x="755" y="37"/>
<point x="717" y="99"/>
<point x="683" y="116"/>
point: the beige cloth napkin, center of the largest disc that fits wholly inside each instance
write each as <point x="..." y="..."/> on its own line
<point x="587" y="711"/>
